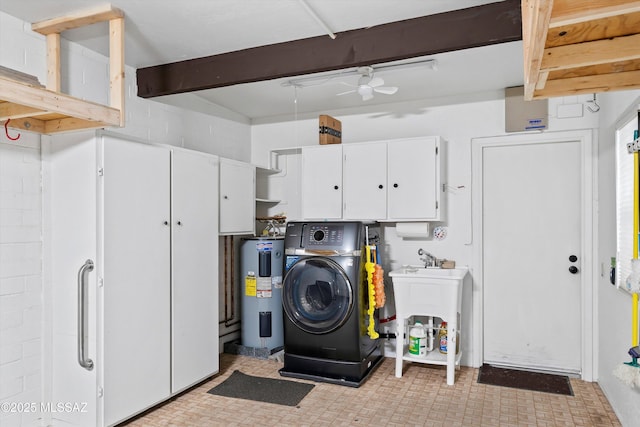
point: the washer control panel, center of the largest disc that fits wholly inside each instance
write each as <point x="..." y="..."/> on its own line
<point x="324" y="236"/>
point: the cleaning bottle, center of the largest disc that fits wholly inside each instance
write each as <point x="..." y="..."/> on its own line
<point x="417" y="340"/>
<point x="442" y="339"/>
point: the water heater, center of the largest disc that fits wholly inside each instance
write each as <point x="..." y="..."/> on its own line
<point x="261" y="274"/>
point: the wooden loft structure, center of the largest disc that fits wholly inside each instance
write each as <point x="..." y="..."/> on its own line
<point x="46" y="110"/>
<point x="576" y="47"/>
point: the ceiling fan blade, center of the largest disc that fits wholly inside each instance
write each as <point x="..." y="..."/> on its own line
<point x="376" y="82"/>
<point x="347" y="92"/>
<point x="387" y="90"/>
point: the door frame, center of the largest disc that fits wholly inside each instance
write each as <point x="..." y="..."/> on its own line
<point x="589" y="244"/>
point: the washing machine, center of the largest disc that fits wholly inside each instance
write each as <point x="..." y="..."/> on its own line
<point x="325" y="301"/>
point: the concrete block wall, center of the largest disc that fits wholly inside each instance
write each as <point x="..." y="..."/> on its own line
<point x="21" y="304"/>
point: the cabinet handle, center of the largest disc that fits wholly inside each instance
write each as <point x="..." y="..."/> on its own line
<point x="179" y="223"/>
<point x="225" y="197"/>
<point x="84" y="271"/>
<point x="381" y="186"/>
<point x="166" y="223"/>
<point x="395" y="185"/>
<point x="335" y="187"/>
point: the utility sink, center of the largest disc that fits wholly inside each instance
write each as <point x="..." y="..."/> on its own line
<point x="433" y="292"/>
<point x="414" y="271"/>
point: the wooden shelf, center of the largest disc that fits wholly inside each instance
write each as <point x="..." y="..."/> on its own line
<point x="45" y="109"/>
<point x="574" y="47"/>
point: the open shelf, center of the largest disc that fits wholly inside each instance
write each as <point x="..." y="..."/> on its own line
<point x="29" y="106"/>
<point x="433" y="357"/>
<point x="576" y="47"/>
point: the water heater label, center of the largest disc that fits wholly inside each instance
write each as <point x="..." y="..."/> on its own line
<point x="250" y="286"/>
<point x="276" y="281"/>
<point x="263" y="287"/>
<point x="264" y="246"/>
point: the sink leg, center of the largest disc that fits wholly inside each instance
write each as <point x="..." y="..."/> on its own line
<point x="452" y="327"/>
<point x="399" y="344"/>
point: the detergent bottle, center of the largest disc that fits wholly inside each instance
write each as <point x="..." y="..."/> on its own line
<point x="417" y="340"/>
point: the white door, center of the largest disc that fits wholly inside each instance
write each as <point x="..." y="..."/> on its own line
<point x="194" y="289"/>
<point x="412" y="179"/>
<point x="237" y="197"/>
<point x="136" y="277"/>
<point x="531" y="219"/>
<point x="365" y="181"/>
<point x="70" y="176"/>
<point x="322" y="182"/>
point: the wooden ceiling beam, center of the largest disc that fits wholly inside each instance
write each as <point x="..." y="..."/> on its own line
<point x="590" y="84"/>
<point x="484" y="25"/>
<point x="596" y="52"/>
<point x="569" y="12"/>
<point x="535" y="22"/>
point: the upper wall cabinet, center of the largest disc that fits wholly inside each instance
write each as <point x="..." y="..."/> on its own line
<point x="365" y="181"/>
<point x="237" y="197"/>
<point x="397" y="180"/>
<point x="322" y="182"/>
<point x="414" y="177"/>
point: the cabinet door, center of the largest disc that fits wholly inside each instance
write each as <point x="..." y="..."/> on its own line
<point x="136" y="291"/>
<point x="365" y="181"/>
<point x="322" y="182"/>
<point x="237" y="197"/>
<point x="413" y="179"/>
<point x="194" y="289"/>
<point x="69" y="183"/>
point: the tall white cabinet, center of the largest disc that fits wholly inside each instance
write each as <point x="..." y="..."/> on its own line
<point x="146" y="216"/>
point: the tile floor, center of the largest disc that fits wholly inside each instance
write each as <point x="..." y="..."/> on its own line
<point x="420" y="398"/>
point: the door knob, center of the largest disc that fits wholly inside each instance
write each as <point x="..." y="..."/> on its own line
<point x="573" y="269"/>
<point x="573" y="258"/>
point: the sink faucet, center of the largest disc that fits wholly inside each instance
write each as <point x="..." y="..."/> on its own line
<point x="429" y="260"/>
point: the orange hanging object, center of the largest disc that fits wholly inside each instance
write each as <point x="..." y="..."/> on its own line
<point x="378" y="283"/>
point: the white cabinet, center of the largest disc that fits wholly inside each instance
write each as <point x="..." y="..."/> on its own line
<point x="135" y="297"/>
<point x="365" y="181"/>
<point x="237" y="197"/>
<point x="322" y="182"/>
<point x="146" y="217"/>
<point x="397" y="180"/>
<point x="414" y="179"/>
<point x="194" y="290"/>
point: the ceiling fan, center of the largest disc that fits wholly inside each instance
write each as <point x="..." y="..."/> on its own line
<point x="368" y="85"/>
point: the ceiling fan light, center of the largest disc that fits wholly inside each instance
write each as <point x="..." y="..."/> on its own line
<point x="365" y="91"/>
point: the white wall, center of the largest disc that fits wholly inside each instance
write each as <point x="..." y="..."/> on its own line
<point x="614" y="308"/>
<point x="23" y="362"/>
<point x="459" y="123"/>
<point x="21" y="303"/>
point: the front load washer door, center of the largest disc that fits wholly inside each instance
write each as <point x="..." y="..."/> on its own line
<point x="317" y="296"/>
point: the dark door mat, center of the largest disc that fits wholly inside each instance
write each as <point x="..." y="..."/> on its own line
<point x="281" y="392"/>
<point x="535" y="381"/>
